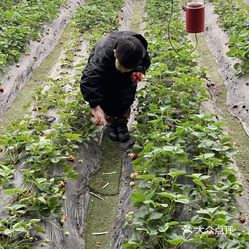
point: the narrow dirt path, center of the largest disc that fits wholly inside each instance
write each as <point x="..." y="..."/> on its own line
<point x="103" y="209"/>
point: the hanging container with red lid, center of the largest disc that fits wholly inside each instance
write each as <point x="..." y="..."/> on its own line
<point x="195" y="17"/>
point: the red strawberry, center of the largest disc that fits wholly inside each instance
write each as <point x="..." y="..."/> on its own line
<point x="137" y="76"/>
<point x="170" y="125"/>
<point x="242" y="219"/>
<point x="132" y="156"/>
<point x="212" y="234"/>
<point x="134" y="175"/>
<point x="62" y="184"/>
<point x="71" y="158"/>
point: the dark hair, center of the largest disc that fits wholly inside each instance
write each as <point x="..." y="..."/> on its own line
<point x="129" y="51"/>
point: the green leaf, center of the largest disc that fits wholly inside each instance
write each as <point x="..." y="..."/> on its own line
<point x="175" y="174"/>
<point x="55" y="159"/>
<point x="19" y="228"/>
<point x="246" y="55"/>
<point x="34" y="221"/>
<point x="70" y="172"/>
<point x="39" y="228"/>
<point x="220" y="221"/>
<point x="208" y="155"/>
<point x="155" y="216"/>
<point x="138" y="198"/>
<point x="231" y="152"/>
<point x="199" y="183"/>
<point x="13" y="191"/>
<point x="167" y="195"/>
<point x="204" y="177"/>
<point x="182" y="199"/>
<point x="7" y="232"/>
<point x="73" y="136"/>
<point x="165" y="205"/>
<point x="177" y="241"/>
<point x="206" y="144"/>
<point x="209" y="211"/>
<point x="68" y="168"/>
<point x="16" y="207"/>
<point x="169" y="148"/>
<point x="195" y="175"/>
<point x="41" y="199"/>
<point x="41" y="180"/>
<point x="163" y="228"/>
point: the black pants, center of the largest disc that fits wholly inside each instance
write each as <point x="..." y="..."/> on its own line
<point x="123" y="118"/>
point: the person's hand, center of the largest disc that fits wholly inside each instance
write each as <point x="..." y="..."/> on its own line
<point x="137" y="76"/>
<point x="98" y="116"/>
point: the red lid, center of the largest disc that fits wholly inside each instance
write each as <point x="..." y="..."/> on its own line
<point x="195" y="5"/>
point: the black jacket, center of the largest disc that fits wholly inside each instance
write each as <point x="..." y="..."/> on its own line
<point x="102" y="84"/>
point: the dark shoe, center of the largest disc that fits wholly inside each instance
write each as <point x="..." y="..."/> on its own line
<point x="113" y="132"/>
<point x="123" y="133"/>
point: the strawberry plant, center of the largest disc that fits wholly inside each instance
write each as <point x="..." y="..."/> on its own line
<point x="98" y="18"/>
<point x="21" y="23"/>
<point x="6" y="174"/>
<point x="234" y="20"/>
<point x="7" y="4"/>
<point x="13" y="228"/>
<point x="183" y="156"/>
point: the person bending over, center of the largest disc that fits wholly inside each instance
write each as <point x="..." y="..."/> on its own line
<point x="109" y="80"/>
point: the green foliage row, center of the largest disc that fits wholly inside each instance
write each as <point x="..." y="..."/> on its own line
<point x="35" y="146"/>
<point x="233" y="16"/>
<point x="185" y="195"/>
<point x="98" y="18"/>
<point x="20" y="23"/>
<point x="8" y="4"/>
<point x="38" y="144"/>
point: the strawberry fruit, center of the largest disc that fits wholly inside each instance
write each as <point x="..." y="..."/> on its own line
<point x="134" y="175"/>
<point x="132" y="156"/>
<point x="71" y="158"/>
<point x="242" y="219"/>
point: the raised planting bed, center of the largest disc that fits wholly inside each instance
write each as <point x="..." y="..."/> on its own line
<point x="33" y="39"/>
<point x="20" y="23"/>
<point x="228" y="89"/>
<point x="233" y="18"/>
